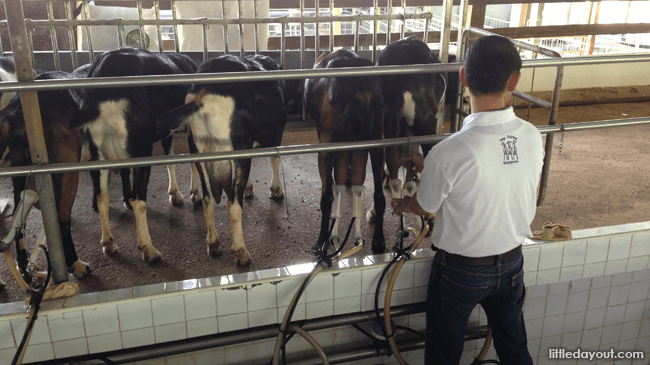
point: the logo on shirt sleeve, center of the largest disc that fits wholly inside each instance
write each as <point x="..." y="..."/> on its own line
<point x="509" y="145"/>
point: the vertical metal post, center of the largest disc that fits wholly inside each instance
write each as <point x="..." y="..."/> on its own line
<point x="205" y="42"/>
<point x="555" y="104"/>
<point x="257" y="29"/>
<point x="35" y="137"/>
<point x="73" y="44"/>
<point x="356" y="36"/>
<point x="403" y="20"/>
<point x="444" y="56"/>
<point x="302" y="35"/>
<point x="89" y="37"/>
<point x="177" y="43"/>
<point x="446" y="30"/>
<point x="156" y="5"/>
<point x="390" y="22"/>
<point x="120" y="35"/>
<point x="425" y="36"/>
<point x="225" y="27"/>
<point x="331" y="26"/>
<point x="55" y="42"/>
<point x="30" y="37"/>
<point x="2" y="50"/>
<point x="461" y="45"/>
<point x="317" y="38"/>
<point x="374" y="32"/>
<point x="302" y="52"/>
<point x="241" y="29"/>
<point x="143" y="43"/>
<point x="283" y="46"/>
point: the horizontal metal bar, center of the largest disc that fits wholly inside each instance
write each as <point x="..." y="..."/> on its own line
<point x="531" y="47"/>
<point x="210" y="21"/>
<point x="531" y="99"/>
<point x="108" y="82"/>
<point x="207" y="78"/>
<point x="283" y="150"/>
<point x="574" y="127"/>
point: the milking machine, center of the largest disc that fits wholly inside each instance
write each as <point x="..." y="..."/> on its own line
<point x="24" y="270"/>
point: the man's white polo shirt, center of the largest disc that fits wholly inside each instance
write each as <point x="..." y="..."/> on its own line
<point x="483" y="182"/>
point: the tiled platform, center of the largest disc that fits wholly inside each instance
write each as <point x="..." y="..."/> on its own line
<point x="605" y="270"/>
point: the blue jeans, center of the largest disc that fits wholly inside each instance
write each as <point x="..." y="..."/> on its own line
<point x="454" y="291"/>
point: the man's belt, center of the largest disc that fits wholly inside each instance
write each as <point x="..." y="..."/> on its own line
<point x="486" y="260"/>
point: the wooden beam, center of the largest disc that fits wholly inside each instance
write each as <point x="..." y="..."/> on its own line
<point x="477" y="15"/>
<point x="592" y="40"/>
<point x="347" y="40"/>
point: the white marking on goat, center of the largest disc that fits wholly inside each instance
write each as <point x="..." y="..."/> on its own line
<point x="6" y="96"/>
<point x="408" y="109"/>
<point x="109" y="131"/>
<point x="211" y="132"/>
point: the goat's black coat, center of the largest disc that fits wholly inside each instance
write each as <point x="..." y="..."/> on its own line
<point x="63" y="146"/>
<point x="347" y="109"/>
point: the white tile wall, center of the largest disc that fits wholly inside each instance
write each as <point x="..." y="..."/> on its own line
<point x="320" y="289"/>
<point x="202" y="327"/>
<point x="168" y="310"/>
<point x="550" y="257"/>
<point x="40" y="352"/>
<point x="619" y="248"/>
<point x="231" y="301"/>
<point x="170" y="332"/>
<point x="40" y="332"/>
<point x="574" y="253"/>
<point x="104" y="343"/>
<point x="101" y="320"/>
<point x="200" y="305"/>
<point x="233" y="322"/>
<point x="6" y="336"/>
<point x="597" y="250"/>
<point x="135" y="315"/>
<point x="137" y="338"/>
<point x="262" y="317"/>
<point x="70" y="348"/>
<point x="347" y="284"/>
<point x="66" y="326"/>
<point x="640" y="245"/>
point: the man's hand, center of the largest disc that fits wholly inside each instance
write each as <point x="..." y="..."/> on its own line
<point x="417" y="162"/>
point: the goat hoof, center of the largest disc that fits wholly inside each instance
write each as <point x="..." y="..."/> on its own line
<point x="80" y="269"/>
<point x="93" y="204"/>
<point x="150" y="255"/>
<point x="249" y="193"/>
<point x="2" y="287"/>
<point x="176" y="198"/>
<point x="370" y="217"/>
<point x="110" y="248"/>
<point x="243" y="257"/>
<point x="125" y="202"/>
<point x="277" y="193"/>
<point x="196" y="198"/>
<point x="214" y="250"/>
<point x="358" y="241"/>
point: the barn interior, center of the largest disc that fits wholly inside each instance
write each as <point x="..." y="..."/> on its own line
<point x="588" y="292"/>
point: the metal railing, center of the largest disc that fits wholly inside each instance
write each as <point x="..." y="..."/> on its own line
<point x="27" y="87"/>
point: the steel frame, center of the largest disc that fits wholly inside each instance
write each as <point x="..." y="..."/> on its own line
<point x="22" y="51"/>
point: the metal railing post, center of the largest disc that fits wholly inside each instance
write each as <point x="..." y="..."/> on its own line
<point x="460" y="57"/>
<point x="35" y="136"/>
<point x="445" y="36"/>
<point x="55" y="43"/>
<point x="555" y="104"/>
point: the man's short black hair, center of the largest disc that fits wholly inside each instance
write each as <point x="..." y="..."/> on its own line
<point x="489" y="62"/>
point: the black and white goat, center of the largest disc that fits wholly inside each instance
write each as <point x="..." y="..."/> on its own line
<point x="411" y="104"/>
<point x="120" y="123"/>
<point x="227" y="117"/>
<point x="347" y="109"/>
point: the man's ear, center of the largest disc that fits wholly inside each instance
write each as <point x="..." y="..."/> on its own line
<point x="462" y="77"/>
<point x="513" y="81"/>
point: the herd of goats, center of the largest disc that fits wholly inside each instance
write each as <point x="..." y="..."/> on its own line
<point x="123" y="123"/>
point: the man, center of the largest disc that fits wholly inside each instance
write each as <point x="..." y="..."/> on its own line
<point x="482" y="182"/>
